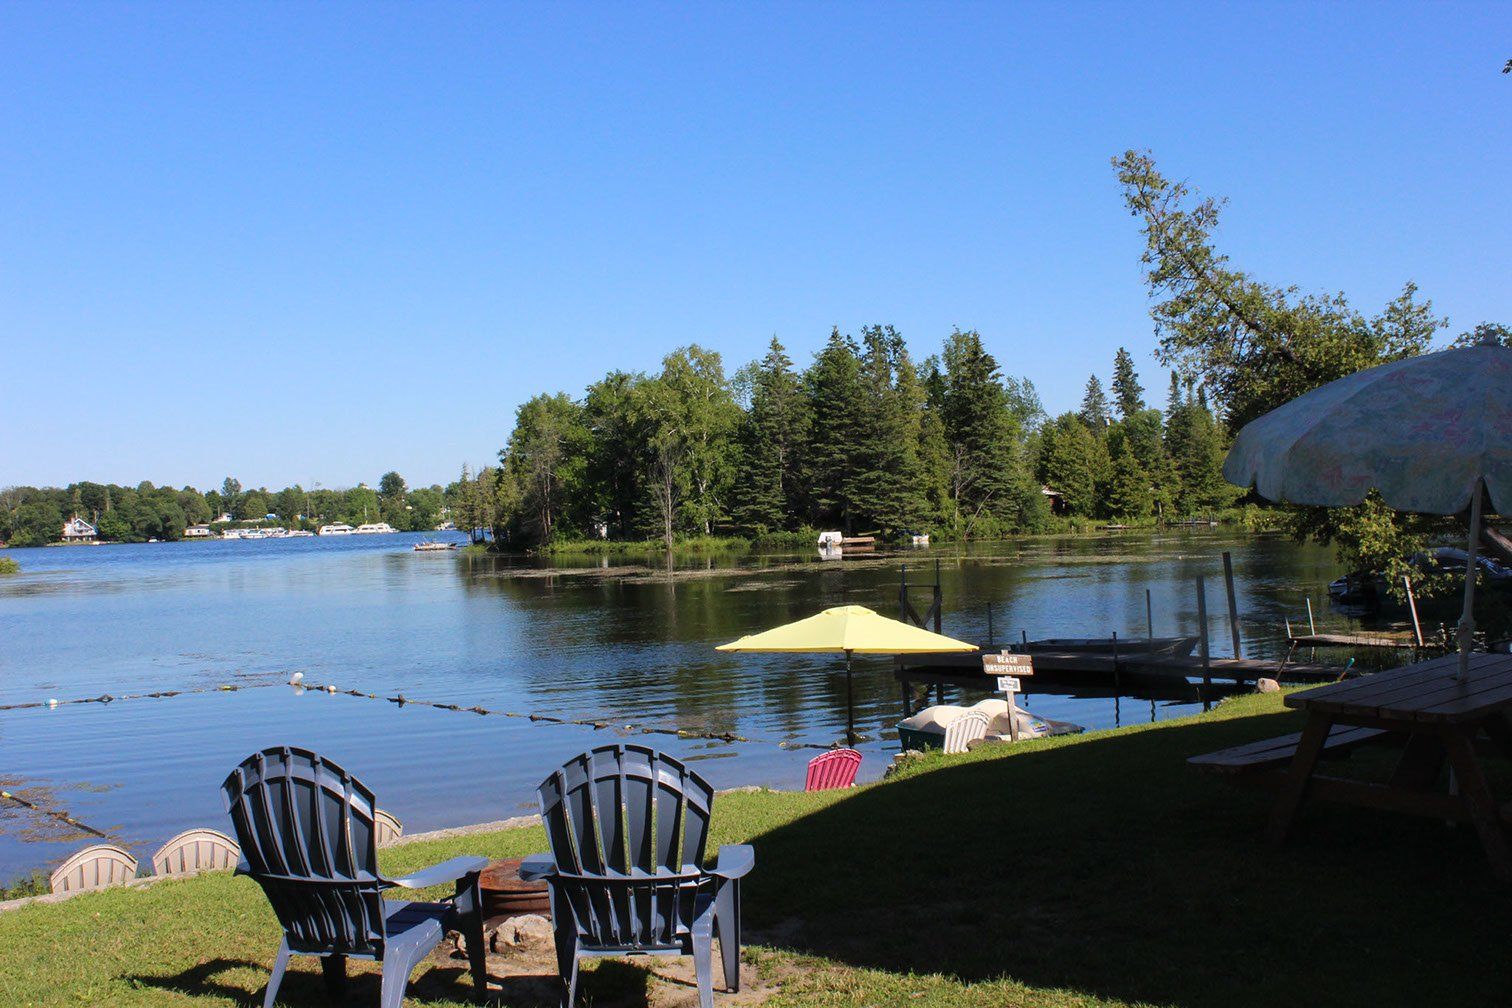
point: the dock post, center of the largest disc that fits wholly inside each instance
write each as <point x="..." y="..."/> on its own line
<point x="939" y="598"/>
<point x="1117" y="679"/>
<point x="1202" y="639"/>
<point x="1312" y="628"/>
<point x="1233" y="607"/>
<point x="1417" y="628"/>
<point x="1149" y="622"/>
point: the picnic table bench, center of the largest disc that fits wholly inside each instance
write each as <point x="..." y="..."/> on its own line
<point x="1426" y="710"/>
<point x="1253" y="759"/>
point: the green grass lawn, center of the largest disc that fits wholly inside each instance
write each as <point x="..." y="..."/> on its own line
<point x="1091" y="870"/>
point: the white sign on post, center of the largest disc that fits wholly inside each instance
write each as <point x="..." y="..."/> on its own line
<point x="1017" y="664"/>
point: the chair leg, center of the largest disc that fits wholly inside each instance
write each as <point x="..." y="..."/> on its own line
<point x="276" y="977"/>
<point x="727" y="924"/>
<point x="396" y="972"/>
<point x="333" y="968"/>
<point x="470" y="923"/>
<point x="567" y="961"/>
<point x="703" y="957"/>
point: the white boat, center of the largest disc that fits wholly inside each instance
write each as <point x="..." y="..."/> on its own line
<point x="340" y="528"/>
<point x="298" y="534"/>
<point x="374" y="528"/>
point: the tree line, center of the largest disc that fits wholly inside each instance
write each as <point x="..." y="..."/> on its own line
<point x="863" y="439"/>
<point x="33" y="516"/>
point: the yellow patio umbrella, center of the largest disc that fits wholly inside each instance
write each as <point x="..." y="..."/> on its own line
<point x="854" y="630"/>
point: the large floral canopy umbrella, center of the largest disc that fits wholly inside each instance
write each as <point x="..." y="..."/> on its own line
<point x="1429" y="433"/>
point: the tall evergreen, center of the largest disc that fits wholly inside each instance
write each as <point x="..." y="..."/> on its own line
<point x="836" y="398"/>
<point x="1128" y="394"/>
<point x="1129" y="493"/>
<point x="1094" y="407"/>
<point x="772" y="434"/>
<point x="1068" y="463"/>
<point x="988" y="478"/>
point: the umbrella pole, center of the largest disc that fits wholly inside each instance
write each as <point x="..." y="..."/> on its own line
<point x="1467" y="618"/>
<point x="850" y="706"/>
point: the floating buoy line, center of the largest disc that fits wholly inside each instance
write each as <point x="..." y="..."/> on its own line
<point x="58" y="814"/>
<point x="297" y="681"/>
<point x="105" y="698"/>
<point x="400" y="700"/>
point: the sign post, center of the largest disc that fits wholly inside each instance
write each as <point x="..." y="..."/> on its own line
<point x="1007" y="668"/>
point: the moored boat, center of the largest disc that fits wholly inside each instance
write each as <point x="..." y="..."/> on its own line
<point x="374" y="528"/>
<point x="1176" y="646"/>
<point x="338" y="528"/>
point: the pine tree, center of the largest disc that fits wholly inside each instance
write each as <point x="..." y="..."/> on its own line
<point x="1127" y="392"/>
<point x="836" y="399"/>
<point x="771" y="435"/>
<point x="987" y="475"/>
<point x="1129" y="493"/>
<point x="1094" y="407"/>
<point x="1068" y="463"/>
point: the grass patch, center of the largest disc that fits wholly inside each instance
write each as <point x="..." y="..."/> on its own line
<point x="1085" y="871"/>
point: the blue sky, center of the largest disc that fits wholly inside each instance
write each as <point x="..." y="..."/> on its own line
<point x="303" y="242"/>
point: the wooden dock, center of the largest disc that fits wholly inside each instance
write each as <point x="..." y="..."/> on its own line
<point x="1324" y="640"/>
<point x="1091" y="674"/>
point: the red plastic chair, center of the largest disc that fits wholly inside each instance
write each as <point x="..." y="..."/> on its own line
<point x="834" y="769"/>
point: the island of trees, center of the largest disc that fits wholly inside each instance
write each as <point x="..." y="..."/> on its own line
<point x="863" y="440"/>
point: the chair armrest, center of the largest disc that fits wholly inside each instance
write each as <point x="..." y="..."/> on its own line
<point x="446" y="871"/>
<point x="537" y="867"/>
<point x="735" y="860"/>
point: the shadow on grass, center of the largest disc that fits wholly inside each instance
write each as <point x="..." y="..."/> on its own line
<point x="1110" y="868"/>
<point x="612" y="984"/>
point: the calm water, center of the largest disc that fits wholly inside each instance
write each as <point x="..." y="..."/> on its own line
<point x="625" y="646"/>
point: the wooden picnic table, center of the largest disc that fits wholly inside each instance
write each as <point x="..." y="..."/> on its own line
<point x="1438" y="719"/>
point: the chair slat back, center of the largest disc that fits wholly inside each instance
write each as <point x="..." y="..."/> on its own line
<point x="967" y="728"/>
<point x="306" y="829"/>
<point x="834" y="769"/>
<point x="194" y="851"/>
<point x="98" y="866"/>
<point x="628" y="827"/>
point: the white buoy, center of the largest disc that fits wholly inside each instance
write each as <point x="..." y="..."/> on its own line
<point x="296" y="678"/>
<point x="52" y="701"/>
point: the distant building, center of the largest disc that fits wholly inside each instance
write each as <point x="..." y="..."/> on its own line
<point x="223" y="519"/>
<point x="76" y="529"/>
<point x="1056" y="498"/>
<point x="197" y="532"/>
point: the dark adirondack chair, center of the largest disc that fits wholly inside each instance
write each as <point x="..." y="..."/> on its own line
<point x="628" y="828"/>
<point x="306" y="829"/>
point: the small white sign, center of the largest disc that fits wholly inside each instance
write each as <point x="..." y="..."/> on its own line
<point x="1008" y="684"/>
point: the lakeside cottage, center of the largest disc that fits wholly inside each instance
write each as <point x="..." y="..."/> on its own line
<point x="76" y="529"/>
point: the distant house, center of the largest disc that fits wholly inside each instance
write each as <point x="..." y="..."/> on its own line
<point x="1056" y="498"/>
<point x="197" y="532"/>
<point x="76" y="529"/>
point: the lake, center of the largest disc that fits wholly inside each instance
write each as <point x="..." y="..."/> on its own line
<point x="608" y="640"/>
